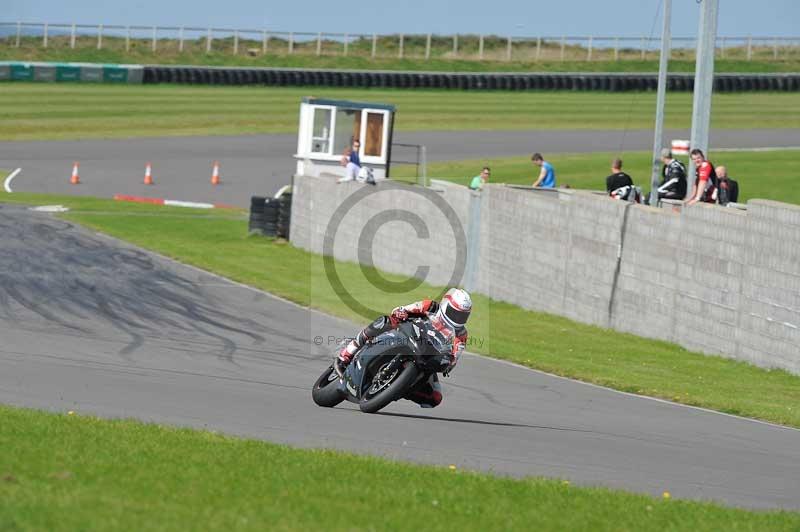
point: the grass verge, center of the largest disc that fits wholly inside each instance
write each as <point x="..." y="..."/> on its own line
<point x="33" y="111"/>
<point x="217" y="241"/>
<point x="765" y="175"/>
<point x="111" y="475"/>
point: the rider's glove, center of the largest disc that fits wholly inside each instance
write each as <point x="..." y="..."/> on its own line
<point x="399" y="314"/>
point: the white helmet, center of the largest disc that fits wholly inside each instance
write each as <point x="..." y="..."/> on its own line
<point x="455" y="307"/>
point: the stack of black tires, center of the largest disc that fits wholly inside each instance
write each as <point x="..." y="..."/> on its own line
<point x="270" y="216"/>
<point x="284" y="215"/>
<point x="263" y="216"/>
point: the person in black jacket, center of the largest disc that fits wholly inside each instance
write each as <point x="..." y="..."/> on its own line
<point x="727" y="188"/>
<point x="618" y="184"/>
<point x="673" y="183"/>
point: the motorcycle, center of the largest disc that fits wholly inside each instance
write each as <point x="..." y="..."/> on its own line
<point x="386" y="369"/>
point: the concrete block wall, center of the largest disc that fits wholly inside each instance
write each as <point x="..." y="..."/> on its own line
<point x="396" y="247"/>
<point x="715" y="280"/>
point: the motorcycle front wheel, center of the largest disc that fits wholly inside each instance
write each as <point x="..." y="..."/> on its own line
<point x="326" y="390"/>
<point x="387" y="388"/>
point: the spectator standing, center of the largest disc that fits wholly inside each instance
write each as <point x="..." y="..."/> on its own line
<point x="705" y="180"/>
<point x="673" y="182"/>
<point x="547" y="174"/>
<point x="479" y="180"/>
<point x="727" y="188"/>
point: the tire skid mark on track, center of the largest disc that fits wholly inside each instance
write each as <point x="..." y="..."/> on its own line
<point x="70" y="279"/>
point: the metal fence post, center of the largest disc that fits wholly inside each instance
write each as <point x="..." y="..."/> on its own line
<point x="44" y="37"/>
<point x="642" y="48"/>
<point x="400" y="48"/>
<point x="750" y="48"/>
<point x="180" y="39"/>
<point x="208" y="41"/>
<point x="128" y="39"/>
<point x="480" y="47"/>
<point x="374" y="44"/>
<point x="775" y="49"/>
<point x="72" y="37"/>
<point x="235" y="42"/>
<point x="155" y="32"/>
<point x="455" y="45"/>
<point x="428" y="47"/>
<point x="589" y="51"/>
<point x="100" y="37"/>
<point x="423" y="163"/>
<point x="345" y="44"/>
<point x="319" y="43"/>
<point x="508" y="50"/>
<point x="291" y="42"/>
<point x="264" y="41"/>
<point x="538" y="48"/>
<point x="616" y="48"/>
<point x="19" y="33"/>
<point x="563" y="45"/>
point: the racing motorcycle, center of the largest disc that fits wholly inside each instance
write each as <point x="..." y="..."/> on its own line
<point x="387" y="368"/>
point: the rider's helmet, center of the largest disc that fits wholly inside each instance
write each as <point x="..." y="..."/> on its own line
<point x="455" y="307"/>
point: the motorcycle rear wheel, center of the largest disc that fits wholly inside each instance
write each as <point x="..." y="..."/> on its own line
<point x="326" y="391"/>
<point x="395" y="390"/>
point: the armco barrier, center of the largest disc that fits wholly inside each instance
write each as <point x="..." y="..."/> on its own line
<point x="719" y="280"/>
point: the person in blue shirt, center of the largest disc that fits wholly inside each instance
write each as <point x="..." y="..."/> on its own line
<point x="547" y="174"/>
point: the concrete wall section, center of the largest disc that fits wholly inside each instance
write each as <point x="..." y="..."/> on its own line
<point x="717" y="280"/>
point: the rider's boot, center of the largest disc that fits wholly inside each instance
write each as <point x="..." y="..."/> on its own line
<point x="345" y="356"/>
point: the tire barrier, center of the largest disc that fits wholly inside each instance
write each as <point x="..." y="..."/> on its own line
<point x="284" y="215"/>
<point x="281" y="77"/>
<point x="263" y="216"/>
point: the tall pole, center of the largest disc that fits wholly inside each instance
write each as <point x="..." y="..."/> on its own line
<point x="660" y="98"/>
<point x="703" y="79"/>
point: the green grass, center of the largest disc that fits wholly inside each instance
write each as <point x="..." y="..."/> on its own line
<point x="359" y="55"/>
<point x="72" y="472"/>
<point x="217" y="241"/>
<point x="74" y="111"/>
<point x="771" y="175"/>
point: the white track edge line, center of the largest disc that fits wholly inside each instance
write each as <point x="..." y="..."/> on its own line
<point x="9" y="179"/>
<point x="498" y="360"/>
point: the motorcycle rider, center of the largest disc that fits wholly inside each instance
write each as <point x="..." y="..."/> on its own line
<point x="452" y="311"/>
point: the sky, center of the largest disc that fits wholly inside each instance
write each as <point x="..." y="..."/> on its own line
<point x="624" y="18"/>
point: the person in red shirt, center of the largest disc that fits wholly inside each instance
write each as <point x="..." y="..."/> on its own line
<point x="705" y="182"/>
<point x="452" y="313"/>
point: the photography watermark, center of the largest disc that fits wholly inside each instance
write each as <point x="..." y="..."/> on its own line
<point x="366" y="243"/>
<point x="338" y="341"/>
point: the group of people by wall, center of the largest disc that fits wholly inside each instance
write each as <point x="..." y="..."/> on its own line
<point x="711" y="184"/>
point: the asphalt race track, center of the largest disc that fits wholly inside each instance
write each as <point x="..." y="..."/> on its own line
<point x="92" y="325"/>
<point x="261" y="164"/>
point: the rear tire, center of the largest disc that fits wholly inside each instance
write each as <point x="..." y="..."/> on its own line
<point x="396" y="390"/>
<point x="326" y="391"/>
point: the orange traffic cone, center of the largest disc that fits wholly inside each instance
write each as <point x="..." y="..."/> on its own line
<point x="75" y="179"/>
<point x="148" y="175"/>
<point x="215" y="174"/>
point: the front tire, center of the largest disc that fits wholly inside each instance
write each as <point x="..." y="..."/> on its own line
<point x="326" y="392"/>
<point x="408" y="373"/>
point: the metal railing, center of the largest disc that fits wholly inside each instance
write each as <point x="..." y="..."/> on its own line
<point x="254" y="42"/>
